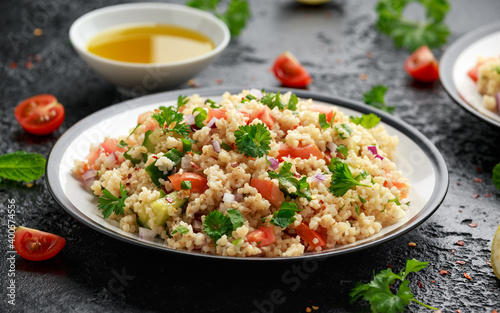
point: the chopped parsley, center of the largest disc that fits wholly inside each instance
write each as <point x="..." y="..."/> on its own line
<point x="344" y="131"/>
<point x="217" y="224"/>
<point x="323" y="123"/>
<point x="186" y="145"/>
<point x="273" y="100"/>
<point x="356" y="208"/>
<point x="413" y="34"/>
<point x="366" y="120"/>
<point x="121" y="144"/>
<point x="253" y="140"/>
<point x="182" y="101"/>
<point x="200" y="117"/>
<point x="395" y="200"/>
<point x="287" y="179"/>
<point x="378" y="291"/>
<point x="186" y="185"/>
<point x="236" y="218"/>
<point x="181" y="229"/>
<point x="361" y="199"/>
<point x="375" y="98"/>
<point x="213" y="104"/>
<point x="292" y="103"/>
<point x="342" y="180"/>
<point x="168" y="116"/>
<point x="285" y="215"/>
<point x="497" y="69"/>
<point x="343" y="150"/>
<point x="225" y="146"/>
<point x="108" y="203"/>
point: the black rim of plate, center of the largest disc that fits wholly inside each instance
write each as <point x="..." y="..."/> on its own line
<point x="438" y="163"/>
<point x="448" y="61"/>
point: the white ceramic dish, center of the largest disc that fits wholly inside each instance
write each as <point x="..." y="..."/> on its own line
<point x="459" y="58"/>
<point x="416" y="157"/>
<point x="148" y="77"/>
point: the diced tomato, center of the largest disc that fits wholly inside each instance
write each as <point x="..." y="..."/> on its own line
<point x="422" y="65"/>
<point x="217" y="113"/>
<point x="143" y="117"/>
<point x="150" y="125"/>
<point x="110" y="145"/>
<point x="324" y="109"/>
<point x="265" y="116"/>
<point x="93" y="155"/>
<point x="40" y="115"/>
<point x="474" y="72"/>
<point x="303" y="152"/>
<point x="263" y="236"/>
<point x="398" y="185"/>
<point x="309" y="236"/>
<point x="198" y="182"/>
<point x="290" y="72"/>
<point x="269" y="191"/>
<point x="35" y="245"/>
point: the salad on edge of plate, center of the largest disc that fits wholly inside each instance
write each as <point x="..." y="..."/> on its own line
<point x="257" y="174"/>
<point x="486" y="76"/>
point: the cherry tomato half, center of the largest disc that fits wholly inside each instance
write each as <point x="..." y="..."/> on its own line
<point x="198" y="182"/>
<point x="290" y="72"/>
<point x="422" y="65"/>
<point x="35" y="245"/>
<point x="263" y="236"/>
<point x="40" y="115"/>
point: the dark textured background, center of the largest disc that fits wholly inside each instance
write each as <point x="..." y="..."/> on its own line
<point x="95" y="273"/>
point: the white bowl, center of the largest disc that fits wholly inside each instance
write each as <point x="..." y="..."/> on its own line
<point x="146" y="77"/>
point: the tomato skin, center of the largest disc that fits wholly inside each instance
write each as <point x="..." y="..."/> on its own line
<point x="303" y="152"/>
<point x="308" y="235"/>
<point x="265" y="116"/>
<point x="35" y="245"/>
<point x="422" y="66"/>
<point x="474" y="72"/>
<point x="290" y="72"/>
<point x="329" y="113"/>
<point x="264" y="236"/>
<point x="110" y="145"/>
<point x="40" y="115"/>
<point x="217" y="113"/>
<point x="269" y="191"/>
<point x="198" y="182"/>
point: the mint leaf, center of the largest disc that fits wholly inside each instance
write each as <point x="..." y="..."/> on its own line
<point x="22" y="166"/>
<point x="496" y="176"/>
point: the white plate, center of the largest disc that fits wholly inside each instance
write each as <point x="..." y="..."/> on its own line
<point x="416" y="157"/>
<point x="459" y="58"/>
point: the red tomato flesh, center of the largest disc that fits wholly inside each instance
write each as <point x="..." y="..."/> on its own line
<point x="269" y="191"/>
<point x="40" y="115"/>
<point x="290" y="72"/>
<point x="474" y="72"/>
<point x="198" y="182"/>
<point x="303" y="152"/>
<point x="325" y="110"/>
<point x="35" y="245"/>
<point x="263" y="236"/>
<point x="217" y="113"/>
<point x="309" y="236"/>
<point x="265" y="116"/>
<point x="110" y="145"/>
<point x="422" y="66"/>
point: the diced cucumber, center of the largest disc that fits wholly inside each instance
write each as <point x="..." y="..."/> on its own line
<point x="143" y="219"/>
<point x="163" y="209"/>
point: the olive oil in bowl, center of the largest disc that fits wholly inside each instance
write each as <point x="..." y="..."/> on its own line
<point x="150" y="43"/>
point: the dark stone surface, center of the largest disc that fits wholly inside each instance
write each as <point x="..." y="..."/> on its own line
<point x="95" y="273"/>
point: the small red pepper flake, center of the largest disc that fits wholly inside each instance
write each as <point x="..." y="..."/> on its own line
<point x="458" y="311"/>
<point x="488" y="195"/>
<point x="460" y="211"/>
<point x="467" y="276"/>
<point x="218" y="81"/>
<point x="29" y="65"/>
<point x="494" y="311"/>
<point x="488" y="262"/>
<point x="419" y="284"/>
<point x="478" y="180"/>
<point x="460" y="262"/>
<point x="433" y="281"/>
<point x="136" y="168"/>
<point x="234" y="165"/>
<point x="13" y="65"/>
<point x="473" y="225"/>
<point x="475" y="195"/>
<point x="194" y="165"/>
<point x="37" y="58"/>
<point x="129" y="175"/>
<point x="479" y="170"/>
<point x="458" y="183"/>
<point x="412" y="244"/>
<point x="389" y="266"/>
<point x="452" y="251"/>
<point x="155" y="157"/>
<point x="369" y="54"/>
<point x="443" y="272"/>
<point x="363" y="76"/>
<point x="460" y="243"/>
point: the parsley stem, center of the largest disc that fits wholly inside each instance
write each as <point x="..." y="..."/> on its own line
<point x="425" y="305"/>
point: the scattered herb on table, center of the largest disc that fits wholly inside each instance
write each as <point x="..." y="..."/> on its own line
<point x="253" y="140"/>
<point x="168" y="116"/>
<point x="375" y="98"/>
<point x="236" y="15"/>
<point x="22" y="166"/>
<point x="413" y="34"/>
<point x="496" y="176"/>
<point x="108" y="203"/>
<point x="378" y="291"/>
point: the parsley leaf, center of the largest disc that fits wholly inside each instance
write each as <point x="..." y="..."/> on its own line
<point x="200" y="117"/>
<point x="108" y="203"/>
<point x="236" y="218"/>
<point x="287" y="179"/>
<point x="168" y="116"/>
<point x="496" y="176"/>
<point x="497" y="69"/>
<point x="22" y="166"/>
<point x="378" y="291"/>
<point x="273" y="100"/>
<point x="292" y="103"/>
<point x="413" y="34"/>
<point x="342" y="180"/>
<point x="236" y="15"/>
<point x="344" y="131"/>
<point x="285" y="215"/>
<point x="375" y="98"/>
<point x="323" y="123"/>
<point x="216" y="225"/>
<point x="343" y="149"/>
<point x="186" y="185"/>
<point x="181" y="229"/>
<point x="253" y="140"/>
<point x="182" y="101"/>
<point x="366" y="120"/>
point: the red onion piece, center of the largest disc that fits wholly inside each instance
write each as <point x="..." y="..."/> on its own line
<point x="497" y="97"/>
<point x="216" y="145"/>
<point x="88" y="177"/>
<point x="211" y="124"/>
<point x="146" y="234"/>
<point x="332" y="146"/>
<point x="189" y="119"/>
<point x="373" y="150"/>
<point x="257" y="93"/>
<point x="110" y="160"/>
<point x="273" y="163"/>
<point x="318" y="178"/>
<point x="238" y="197"/>
<point x="228" y="197"/>
<point x="197" y="225"/>
<point x="169" y="200"/>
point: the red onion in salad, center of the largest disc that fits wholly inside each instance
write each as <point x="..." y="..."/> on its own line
<point x="318" y="178"/>
<point x="273" y="163"/>
<point x="373" y="150"/>
<point x="332" y="146"/>
<point x="89" y="176"/>
<point x="238" y="197"/>
<point x="216" y="145"/>
<point x="211" y="124"/>
<point x="110" y="160"/>
<point x="257" y="93"/>
<point x="197" y="225"/>
<point x="146" y="234"/>
<point x="189" y="119"/>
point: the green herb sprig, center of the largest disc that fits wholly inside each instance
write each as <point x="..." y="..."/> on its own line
<point x="378" y="291"/>
<point x="287" y="179"/>
<point x="375" y="98"/>
<point x="285" y="215"/>
<point x="253" y="140"/>
<point x="168" y="116"/>
<point x="108" y="203"/>
<point x="342" y="180"/>
<point x="217" y="224"/>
